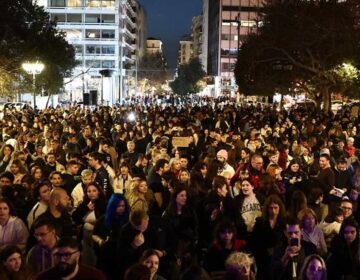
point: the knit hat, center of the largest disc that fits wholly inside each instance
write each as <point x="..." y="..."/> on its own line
<point x="222" y="153"/>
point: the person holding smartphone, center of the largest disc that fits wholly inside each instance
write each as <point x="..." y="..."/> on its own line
<point x="289" y="256"/>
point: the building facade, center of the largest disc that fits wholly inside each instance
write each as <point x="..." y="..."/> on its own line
<point x="186" y="49"/>
<point x="153" y="45"/>
<point x="107" y="35"/>
<point x="228" y="23"/>
<point x="196" y="36"/>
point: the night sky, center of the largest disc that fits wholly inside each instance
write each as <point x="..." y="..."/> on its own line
<point x="168" y="20"/>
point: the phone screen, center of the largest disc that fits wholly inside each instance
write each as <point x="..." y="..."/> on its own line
<point x="294" y="242"/>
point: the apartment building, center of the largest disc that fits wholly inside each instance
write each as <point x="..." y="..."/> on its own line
<point x="153" y="45"/>
<point x="107" y="35"/>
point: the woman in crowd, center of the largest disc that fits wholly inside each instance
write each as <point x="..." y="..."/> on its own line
<point x="344" y="259"/>
<point x="85" y="216"/>
<point x="181" y="228"/>
<point x="311" y="231"/>
<point x="41" y="194"/>
<point x="37" y="173"/>
<point x="175" y="166"/>
<point x="6" y="156"/>
<point x="107" y="229"/>
<point x="139" y="197"/>
<point x="151" y="259"/>
<point x="184" y="177"/>
<point x="18" y="170"/>
<point x="238" y="267"/>
<point x="316" y="198"/>
<point x="268" y="233"/>
<point x="12" y="265"/>
<point x="12" y="229"/>
<point x="225" y="243"/>
<point x="313" y="268"/>
<point x="293" y="178"/>
<point x="248" y="205"/>
<point x="298" y="202"/>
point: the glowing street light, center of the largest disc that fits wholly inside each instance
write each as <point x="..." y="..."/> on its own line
<point x="33" y="68"/>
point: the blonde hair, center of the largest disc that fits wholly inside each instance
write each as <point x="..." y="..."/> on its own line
<point x="237" y="259"/>
<point x="137" y="200"/>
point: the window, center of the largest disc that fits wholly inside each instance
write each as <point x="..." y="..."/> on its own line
<point x="73" y="34"/>
<point x="108" y="18"/>
<point x="92" y="34"/>
<point x="93" y="49"/>
<point x="93" y="63"/>
<point x="108" y="3"/>
<point x="74" y="3"/>
<point x="58" y="17"/>
<point x="108" y="64"/>
<point x="108" y="34"/>
<point x="108" y="49"/>
<point x="78" y="49"/>
<point x="248" y="23"/>
<point x="94" y="3"/>
<point x="92" y="18"/>
<point x="57" y="3"/>
<point x="73" y="17"/>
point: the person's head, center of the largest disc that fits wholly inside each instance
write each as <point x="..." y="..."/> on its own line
<point x="273" y="207"/>
<point x="257" y="162"/>
<point x="36" y="172"/>
<point x="17" y="167"/>
<point x="139" y="219"/>
<point x="313" y="268"/>
<point x="324" y="161"/>
<point x="41" y="191"/>
<point x="50" y="158"/>
<point x="7" y="150"/>
<point x="349" y="232"/>
<point x="94" y="192"/>
<point x="245" y="154"/>
<point x="274" y="170"/>
<point x="341" y="164"/>
<point x="184" y="161"/>
<point x="161" y="166"/>
<point x="130" y="146"/>
<point x="294" y="165"/>
<point x="59" y="200"/>
<point x="184" y="176"/>
<point x="138" y="185"/>
<point x="151" y="259"/>
<point x="45" y="232"/>
<point x="225" y="232"/>
<point x="6" y="209"/>
<point x="73" y="167"/>
<point x="138" y="272"/>
<point x="117" y="209"/>
<point x="11" y="258"/>
<point x="219" y="186"/>
<point x="239" y="265"/>
<point x="56" y="179"/>
<point x="273" y="157"/>
<point x="6" y="179"/>
<point x="66" y="255"/>
<point x="247" y="189"/>
<point x="175" y="165"/>
<point x="95" y="159"/>
<point x="222" y="156"/>
<point x="307" y="219"/>
<point x="293" y="231"/>
<point x="347" y="208"/>
<point x="87" y="176"/>
<point x="195" y="272"/>
<point x="179" y="196"/>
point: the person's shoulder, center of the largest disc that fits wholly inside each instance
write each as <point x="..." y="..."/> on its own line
<point x="89" y="273"/>
<point x="48" y="274"/>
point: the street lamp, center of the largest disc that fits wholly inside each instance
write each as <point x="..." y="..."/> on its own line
<point x="33" y="68"/>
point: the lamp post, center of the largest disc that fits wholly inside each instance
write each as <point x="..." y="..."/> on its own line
<point x="33" y="68"/>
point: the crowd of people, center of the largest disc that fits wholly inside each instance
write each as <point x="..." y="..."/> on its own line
<point x="218" y="191"/>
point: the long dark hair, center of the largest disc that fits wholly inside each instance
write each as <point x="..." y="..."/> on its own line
<point x="172" y="207"/>
<point x="353" y="223"/>
<point x="276" y="200"/>
<point x="110" y="214"/>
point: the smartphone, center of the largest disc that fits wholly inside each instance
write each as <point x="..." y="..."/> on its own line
<point x="294" y="242"/>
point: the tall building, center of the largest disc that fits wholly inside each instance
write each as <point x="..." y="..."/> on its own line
<point x="186" y="49"/>
<point x="153" y="45"/>
<point x="226" y="23"/>
<point x="196" y="36"/>
<point x="107" y="35"/>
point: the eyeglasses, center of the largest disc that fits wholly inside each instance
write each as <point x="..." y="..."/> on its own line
<point x="64" y="255"/>
<point x="41" y="234"/>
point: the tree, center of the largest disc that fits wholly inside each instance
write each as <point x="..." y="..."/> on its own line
<point x="299" y="46"/>
<point x="152" y="70"/>
<point x="188" y="78"/>
<point x="27" y="34"/>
